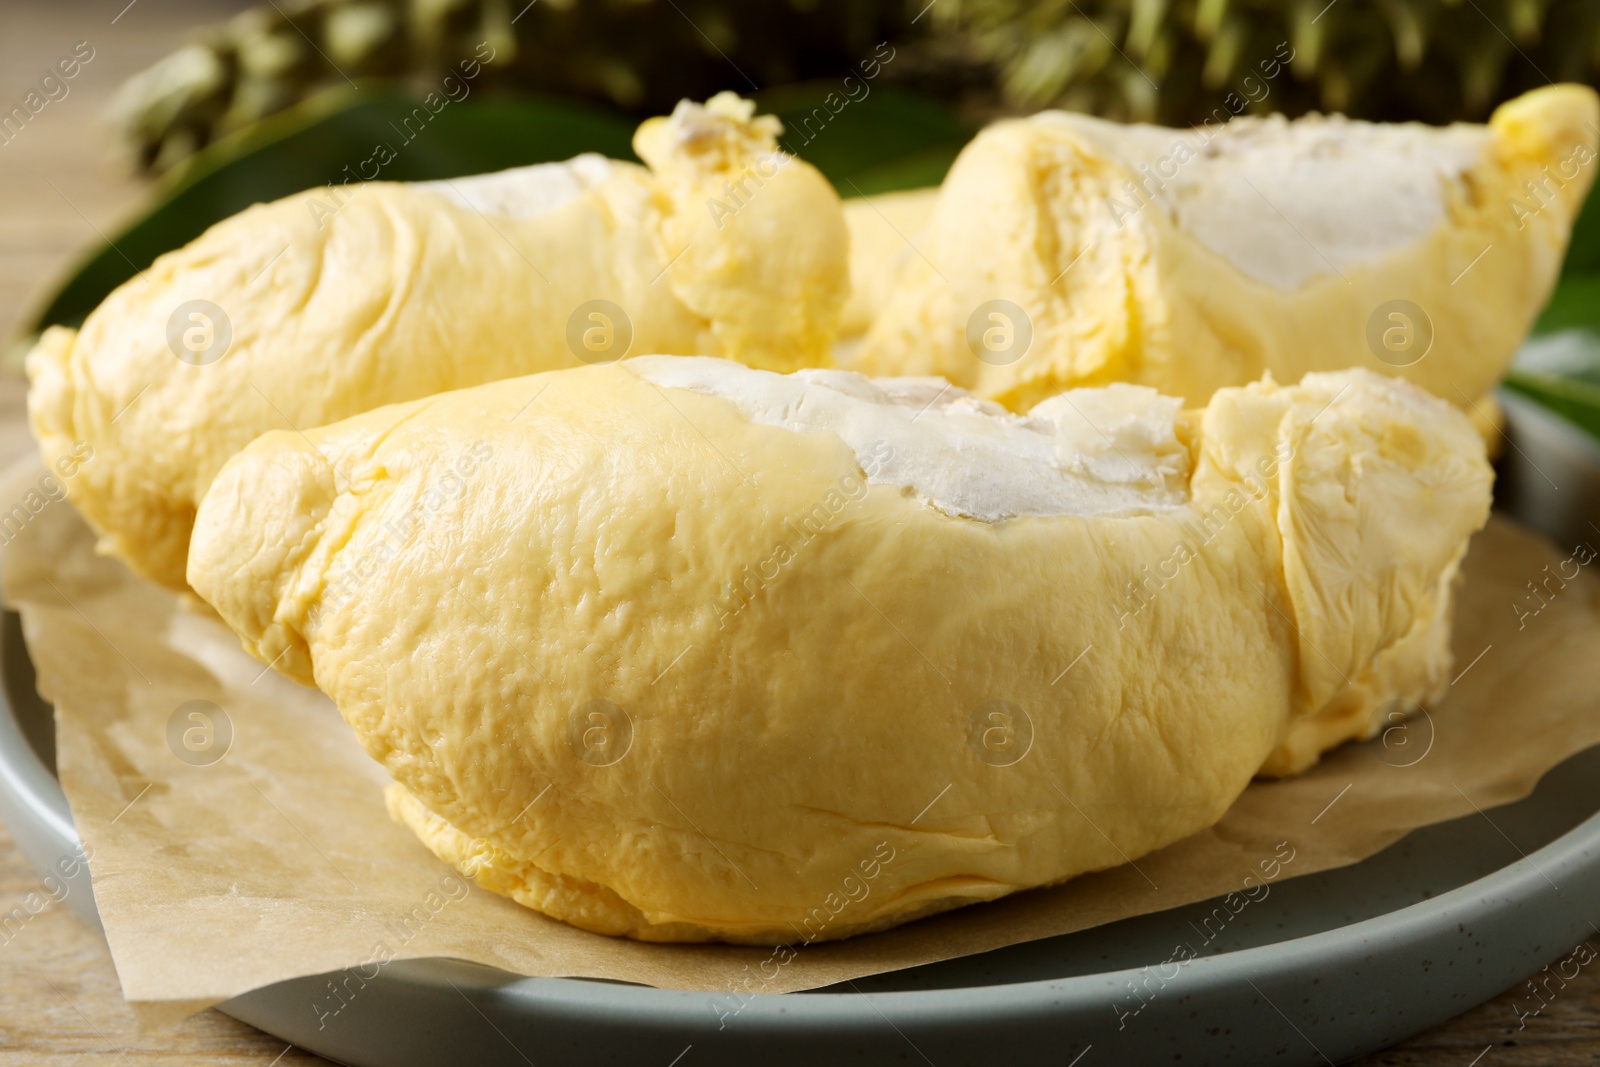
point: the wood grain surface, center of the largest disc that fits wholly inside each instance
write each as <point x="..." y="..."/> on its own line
<point x="60" y="191"/>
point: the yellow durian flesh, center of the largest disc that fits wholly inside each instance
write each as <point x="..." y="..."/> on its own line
<point x="335" y="301"/>
<point x="1195" y="260"/>
<point x="801" y="622"/>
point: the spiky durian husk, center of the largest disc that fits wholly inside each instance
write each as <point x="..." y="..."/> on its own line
<point x="640" y="55"/>
<point x="1177" y="61"/>
<point x="1171" y="61"/>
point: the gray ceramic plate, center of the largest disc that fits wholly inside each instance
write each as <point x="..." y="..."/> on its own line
<point x="1327" y="967"/>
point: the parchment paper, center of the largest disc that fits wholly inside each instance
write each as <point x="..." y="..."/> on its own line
<point x="278" y="859"/>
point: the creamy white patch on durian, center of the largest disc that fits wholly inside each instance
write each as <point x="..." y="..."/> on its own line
<point x="524" y="192"/>
<point x="1286" y="201"/>
<point x="1093" y="452"/>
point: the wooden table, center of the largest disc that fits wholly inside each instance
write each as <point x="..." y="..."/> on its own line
<point x="59" y="998"/>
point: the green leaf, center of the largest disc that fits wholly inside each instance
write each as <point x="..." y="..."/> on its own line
<point x="1576" y="401"/>
<point x="1576" y="300"/>
<point x="1583" y="250"/>
<point x="1562" y="372"/>
<point x="1574" y="305"/>
<point x="919" y="170"/>
<point x="1573" y="354"/>
<point x="887" y="139"/>
<point x="1559" y="366"/>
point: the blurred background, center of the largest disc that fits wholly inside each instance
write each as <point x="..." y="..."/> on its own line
<point x="1168" y="61"/>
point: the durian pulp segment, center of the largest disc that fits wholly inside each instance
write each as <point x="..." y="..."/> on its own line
<point x="885" y="231"/>
<point x="814" y="650"/>
<point x="1098" y="452"/>
<point x="1196" y="260"/>
<point x="338" y="300"/>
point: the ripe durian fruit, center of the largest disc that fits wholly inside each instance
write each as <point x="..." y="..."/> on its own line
<point x="884" y="232"/>
<point x="319" y="306"/>
<point x="591" y="621"/>
<point x="1066" y="251"/>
